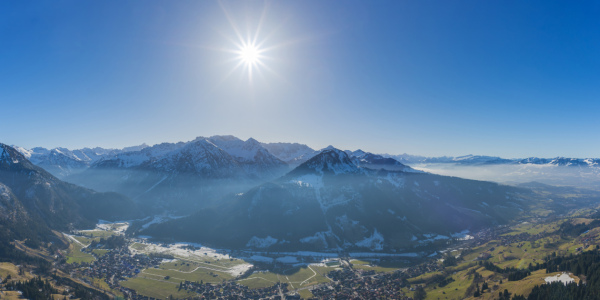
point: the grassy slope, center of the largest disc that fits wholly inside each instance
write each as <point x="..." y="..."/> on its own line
<point x="517" y="254"/>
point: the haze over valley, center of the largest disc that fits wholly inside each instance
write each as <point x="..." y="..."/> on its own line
<point x="299" y="150"/>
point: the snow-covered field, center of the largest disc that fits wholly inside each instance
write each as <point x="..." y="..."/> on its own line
<point x="116" y="227"/>
<point x="564" y="278"/>
<point x="199" y="254"/>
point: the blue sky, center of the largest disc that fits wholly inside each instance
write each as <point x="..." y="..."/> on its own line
<point x="505" y="78"/>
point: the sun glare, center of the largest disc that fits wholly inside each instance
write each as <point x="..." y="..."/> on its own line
<point x="249" y="54"/>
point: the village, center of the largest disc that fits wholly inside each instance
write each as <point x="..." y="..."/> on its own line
<point x="344" y="281"/>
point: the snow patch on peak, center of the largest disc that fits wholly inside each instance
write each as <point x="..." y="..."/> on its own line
<point x="25" y="152"/>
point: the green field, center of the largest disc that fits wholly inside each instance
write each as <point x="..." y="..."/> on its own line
<point x="364" y="265"/>
<point x="83" y="240"/>
<point x="156" y="287"/>
<point x="296" y="277"/>
<point x="164" y="281"/>
<point x="259" y="280"/>
<point x="76" y="256"/>
<point x="138" y="246"/>
<point x="197" y="275"/>
<point x="533" y="228"/>
<point x="99" y="252"/>
<point x="97" y="233"/>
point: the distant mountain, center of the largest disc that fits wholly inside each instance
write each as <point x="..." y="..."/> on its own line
<point x="580" y="172"/>
<point x="296" y="154"/>
<point x="561" y="161"/>
<point x="32" y="197"/>
<point x="329" y="161"/>
<point x="292" y="153"/>
<point x="62" y="162"/>
<point x="374" y="161"/>
<point x="184" y="176"/>
<point x="329" y="202"/>
<point x="477" y="160"/>
<point x="358" y="157"/>
<point x="251" y="154"/>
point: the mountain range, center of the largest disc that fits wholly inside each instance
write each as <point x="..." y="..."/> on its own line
<point x="478" y="160"/>
<point x="63" y="162"/>
<point x="184" y="175"/>
<point x="247" y="194"/>
<point x="32" y="201"/>
<point x="329" y="202"/>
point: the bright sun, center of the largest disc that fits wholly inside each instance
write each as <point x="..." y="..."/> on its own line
<point x="250" y="57"/>
<point x="251" y="51"/>
<point x="249" y="54"/>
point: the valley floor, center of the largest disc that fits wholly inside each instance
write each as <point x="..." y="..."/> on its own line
<point x="498" y="263"/>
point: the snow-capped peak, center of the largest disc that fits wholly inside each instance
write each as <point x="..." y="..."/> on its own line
<point x="357" y="153"/>
<point x="10" y="157"/>
<point x="329" y="161"/>
<point x="5" y="157"/>
<point x="292" y="153"/>
<point x="248" y="151"/>
<point x="330" y="147"/>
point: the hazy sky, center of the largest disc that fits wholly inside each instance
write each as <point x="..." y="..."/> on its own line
<point x="506" y="78"/>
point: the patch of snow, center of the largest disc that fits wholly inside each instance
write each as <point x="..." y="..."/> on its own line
<point x="374" y="242"/>
<point x="316" y="238"/>
<point x="297" y="253"/>
<point x="198" y="254"/>
<point x="564" y="278"/>
<point x="431" y="237"/>
<point x="463" y="235"/>
<point x="117" y="227"/>
<point x="395" y="180"/>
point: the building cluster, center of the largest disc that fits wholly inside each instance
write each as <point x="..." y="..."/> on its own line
<point x="360" y="284"/>
<point x="117" y="265"/>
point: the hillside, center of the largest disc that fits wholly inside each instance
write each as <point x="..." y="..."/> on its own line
<point x="329" y="202"/>
<point x="32" y="196"/>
